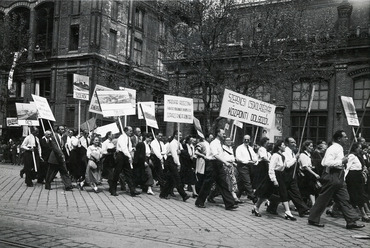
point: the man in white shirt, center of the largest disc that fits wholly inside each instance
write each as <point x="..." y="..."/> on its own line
<point x="172" y="165"/>
<point x="245" y="158"/>
<point x="215" y="172"/>
<point x="202" y="151"/>
<point x="333" y="186"/>
<point x="123" y="162"/>
<point x="157" y="158"/>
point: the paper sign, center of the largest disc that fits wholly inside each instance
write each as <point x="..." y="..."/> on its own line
<point x="149" y="115"/>
<point x="246" y="109"/>
<point x="43" y="108"/>
<point x="27" y="114"/>
<point x="198" y="127"/>
<point x="81" y="87"/>
<point x="94" y="103"/>
<point x="12" y="122"/>
<point x="178" y="109"/>
<point x="150" y="105"/>
<point x="115" y="103"/>
<point x="350" y="110"/>
<point x="103" y="130"/>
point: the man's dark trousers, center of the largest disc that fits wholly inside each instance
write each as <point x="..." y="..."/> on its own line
<point x="122" y="165"/>
<point x="172" y="179"/>
<point x="333" y="187"/>
<point x="244" y="179"/>
<point x="214" y="172"/>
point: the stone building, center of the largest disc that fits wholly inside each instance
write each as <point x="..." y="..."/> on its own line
<point x="341" y="69"/>
<point x="115" y="43"/>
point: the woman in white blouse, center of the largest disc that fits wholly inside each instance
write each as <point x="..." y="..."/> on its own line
<point x="355" y="182"/>
<point x="276" y="174"/>
<point x="93" y="154"/>
<point x="308" y="179"/>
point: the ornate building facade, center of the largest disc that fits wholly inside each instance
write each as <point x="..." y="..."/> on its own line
<point x="115" y="43"/>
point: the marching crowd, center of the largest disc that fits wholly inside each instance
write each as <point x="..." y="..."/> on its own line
<point x="315" y="178"/>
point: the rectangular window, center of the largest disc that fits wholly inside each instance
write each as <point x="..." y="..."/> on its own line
<point x="76" y="7"/>
<point x="70" y="84"/>
<point x="42" y="87"/>
<point x="112" y="42"/>
<point x="302" y="92"/>
<point x="160" y="65"/>
<point x="316" y="126"/>
<point x="139" y="19"/>
<point x="114" y="10"/>
<point x="361" y="92"/>
<point x="70" y="117"/>
<point x="138" y="50"/>
<point x="74" y="37"/>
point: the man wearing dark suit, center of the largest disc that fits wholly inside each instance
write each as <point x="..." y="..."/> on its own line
<point x="45" y="144"/>
<point x="57" y="161"/>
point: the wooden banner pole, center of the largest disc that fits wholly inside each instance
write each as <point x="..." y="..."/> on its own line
<point x="79" y="117"/>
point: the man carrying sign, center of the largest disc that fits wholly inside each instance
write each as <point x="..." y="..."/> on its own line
<point x="57" y="162"/>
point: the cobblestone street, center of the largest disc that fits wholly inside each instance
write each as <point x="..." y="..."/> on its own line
<point x="35" y="217"/>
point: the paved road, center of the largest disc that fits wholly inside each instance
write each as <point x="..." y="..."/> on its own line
<point x="35" y="217"/>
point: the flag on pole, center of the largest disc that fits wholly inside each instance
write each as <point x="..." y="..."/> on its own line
<point x="311" y="98"/>
<point x="90" y="124"/>
<point x="198" y="127"/>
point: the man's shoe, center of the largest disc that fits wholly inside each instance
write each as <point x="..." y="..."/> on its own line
<point x="354" y="226"/>
<point x="313" y="223"/>
<point x="307" y="212"/>
<point x="29" y="184"/>
<point x="47" y="186"/>
<point x="232" y="207"/>
<point x="211" y="200"/>
<point x="69" y="188"/>
<point x="164" y="197"/>
<point x="21" y="173"/>
<point x="200" y="206"/>
<point x="114" y="193"/>
<point x="185" y="198"/>
<point x="133" y="194"/>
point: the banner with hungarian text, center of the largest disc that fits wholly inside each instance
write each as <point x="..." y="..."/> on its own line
<point x="247" y="109"/>
<point x="178" y="109"/>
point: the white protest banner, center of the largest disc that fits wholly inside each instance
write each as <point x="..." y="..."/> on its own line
<point x="103" y="130"/>
<point x="12" y="122"/>
<point x="115" y="103"/>
<point x="149" y="115"/>
<point x="43" y="108"/>
<point x="178" y="109"/>
<point x="150" y="105"/>
<point x="132" y="94"/>
<point x="238" y="124"/>
<point x="198" y="127"/>
<point x="27" y="114"/>
<point x="350" y="110"/>
<point x="81" y="87"/>
<point x="94" y="103"/>
<point x="246" y="109"/>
